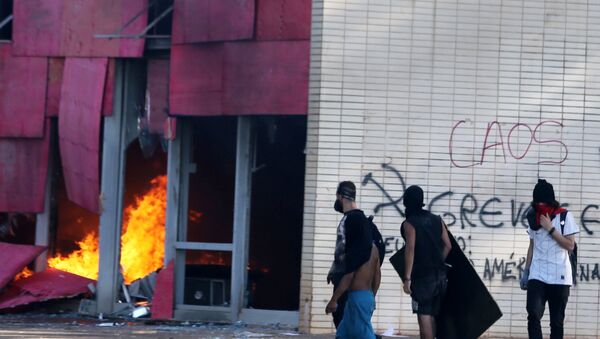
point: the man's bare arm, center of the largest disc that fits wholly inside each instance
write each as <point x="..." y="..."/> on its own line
<point x="339" y="291"/>
<point x="409" y="258"/>
<point x="445" y="241"/>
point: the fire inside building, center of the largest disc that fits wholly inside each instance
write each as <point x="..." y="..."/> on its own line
<point x="152" y="155"/>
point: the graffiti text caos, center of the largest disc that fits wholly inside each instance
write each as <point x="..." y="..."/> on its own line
<point x="505" y="142"/>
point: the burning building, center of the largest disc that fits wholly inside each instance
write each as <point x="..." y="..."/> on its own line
<point x="159" y="135"/>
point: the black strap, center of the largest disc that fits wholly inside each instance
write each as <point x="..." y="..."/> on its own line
<point x="563" y="216"/>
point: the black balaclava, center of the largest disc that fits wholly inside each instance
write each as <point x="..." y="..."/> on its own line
<point x="413" y="200"/>
<point x="543" y="192"/>
<point x="347" y="190"/>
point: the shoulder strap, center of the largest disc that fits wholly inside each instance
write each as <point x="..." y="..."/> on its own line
<point x="563" y="216"/>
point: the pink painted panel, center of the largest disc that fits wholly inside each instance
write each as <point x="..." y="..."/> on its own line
<point x="23" y="172"/>
<point x="109" y="88"/>
<point x="22" y="94"/>
<point x="14" y="258"/>
<point x="157" y="100"/>
<point x="55" y="74"/>
<point x="266" y="78"/>
<point x="196" y="84"/>
<point x="283" y="19"/>
<point x="37" y="27"/>
<point x="162" y="303"/>
<point x="79" y="128"/>
<point x="47" y="285"/>
<point x="67" y="27"/>
<point x="212" y="20"/>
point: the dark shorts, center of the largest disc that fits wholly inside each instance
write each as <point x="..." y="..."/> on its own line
<point x="428" y="293"/>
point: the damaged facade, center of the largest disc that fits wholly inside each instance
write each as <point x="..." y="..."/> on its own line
<point x="153" y="152"/>
<point x="169" y="136"/>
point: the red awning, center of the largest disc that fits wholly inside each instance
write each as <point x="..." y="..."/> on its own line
<point x="68" y="27"/>
<point x="23" y="172"/>
<point x="212" y="20"/>
<point x="283" y="20"/>
<point x="79" y="129"/>
<point x="22" y="94"/>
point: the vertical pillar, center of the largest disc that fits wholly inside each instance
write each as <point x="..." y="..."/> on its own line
<point x="241" y="214"/>
<point x="173" y="194"/>
<point x="111" y="196"/>
<point x="42" y="221"/>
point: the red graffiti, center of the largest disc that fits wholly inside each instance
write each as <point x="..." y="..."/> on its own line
<point x="502" y="143"/>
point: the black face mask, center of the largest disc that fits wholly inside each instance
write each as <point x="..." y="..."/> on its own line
<point x="337" y="206"/>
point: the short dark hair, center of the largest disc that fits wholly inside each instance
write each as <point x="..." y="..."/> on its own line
<point x="347" y="190"/>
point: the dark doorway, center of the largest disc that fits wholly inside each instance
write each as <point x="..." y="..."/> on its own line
<point x="277" y="212"/>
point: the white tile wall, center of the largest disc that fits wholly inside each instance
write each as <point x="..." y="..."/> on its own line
<point x="389" y="81"/>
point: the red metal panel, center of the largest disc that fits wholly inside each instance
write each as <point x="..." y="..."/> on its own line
<point x="55" y="74"/>
<point x="79" y="128"/>
<point x="196" y="79"/>
<point x="67" y="27"/>
<point x="212" y="20"/>
<point x="266" y="78"/>
<point x="23" y="172"/>
<point x="22" y="94"/>
<point x="109" y="88"/>
<point x="157" y="98"/>
<point x="37" y="27"/>
<point x="47" y="285"/>
<point x="283" y="19"/>
<point x="14" y="258"/>
<point x="162" y="302"/>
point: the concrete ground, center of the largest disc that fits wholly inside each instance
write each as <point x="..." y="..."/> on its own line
<point x="39" y="325"/>
<point x="71" y="325"/>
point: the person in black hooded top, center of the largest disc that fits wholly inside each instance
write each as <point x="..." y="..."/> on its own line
<point x="427" y="246"/>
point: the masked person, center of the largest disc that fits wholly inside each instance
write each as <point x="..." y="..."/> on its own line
<point x="355" y="271"/>
<point x="548" y="274"/>
<point x="427" y="246"/>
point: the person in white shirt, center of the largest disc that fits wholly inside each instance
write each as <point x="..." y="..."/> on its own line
<point x="548" y="272"/>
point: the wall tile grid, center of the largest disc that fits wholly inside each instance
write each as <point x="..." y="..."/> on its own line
<point x="405" y="92"/>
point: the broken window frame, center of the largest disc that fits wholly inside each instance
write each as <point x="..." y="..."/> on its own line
<point x="144" y="34"/>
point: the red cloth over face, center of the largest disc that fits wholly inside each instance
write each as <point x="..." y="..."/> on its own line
<point x="542" y="208"/>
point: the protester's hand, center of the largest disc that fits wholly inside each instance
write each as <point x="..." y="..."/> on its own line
<point x="331" y="306"/>
<point x="524" y="279"/>
<point x="329" y="278"/>
<point x="406" y="287"/>
<point x="546" y="222"/>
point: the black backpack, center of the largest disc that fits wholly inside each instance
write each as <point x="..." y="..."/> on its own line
<point x="377" y="240"/>
<point x="573" y="253"/>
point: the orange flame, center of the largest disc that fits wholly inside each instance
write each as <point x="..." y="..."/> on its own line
<point x="142" y="241"/>
<point x="25" y="273"/>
